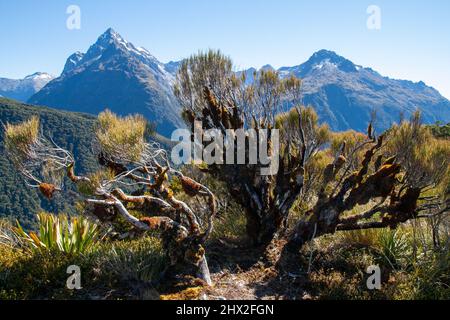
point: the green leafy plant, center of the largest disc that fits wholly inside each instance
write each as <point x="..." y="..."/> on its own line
<point x="72" y="236"/>
<point x="392" y="247"/>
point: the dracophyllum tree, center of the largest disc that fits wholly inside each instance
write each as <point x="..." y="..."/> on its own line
<point x="369" y="182"/>
<point x="130" y="163"/>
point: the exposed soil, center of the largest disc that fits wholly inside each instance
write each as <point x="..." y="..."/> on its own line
<point x="240" y="272"/>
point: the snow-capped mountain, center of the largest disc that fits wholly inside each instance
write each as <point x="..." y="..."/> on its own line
<point x="115" y="74"/>
<point x="23" y="89"/>
<point x="345" y="94"/>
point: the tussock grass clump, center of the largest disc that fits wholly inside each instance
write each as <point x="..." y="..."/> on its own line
<point x="122" y="138"/>
<point x="428" y="279"/>
<point x="20" y="136"/>
<point x="389" y="247"/>
<point x="140" y="260"/>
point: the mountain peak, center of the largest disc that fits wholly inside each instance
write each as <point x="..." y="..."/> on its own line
<point x="110" y="31"/>
<point x="110" y="36"/>
<point x="115" y="73"/>
<point x="326" y="54"/>
<point x="109" y="44"/>
<point x="329" y="58"/>
<point x="112" y="39"/>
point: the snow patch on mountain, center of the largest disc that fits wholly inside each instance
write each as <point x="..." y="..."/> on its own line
<point x="22" y="89"/>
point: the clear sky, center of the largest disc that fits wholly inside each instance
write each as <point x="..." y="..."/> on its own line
<point x="413" y="42"/>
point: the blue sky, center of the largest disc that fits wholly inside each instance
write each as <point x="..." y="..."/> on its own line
<point x="413" y="42"/>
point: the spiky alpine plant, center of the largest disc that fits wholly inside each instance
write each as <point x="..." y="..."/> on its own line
<point x="76" y="235"/>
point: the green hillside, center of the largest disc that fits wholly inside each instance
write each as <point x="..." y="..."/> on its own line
<point x="441" y="130"/>
<point x="73" y="131"/>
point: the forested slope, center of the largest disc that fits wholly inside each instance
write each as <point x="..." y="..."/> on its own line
<point x="73" y="131"/>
